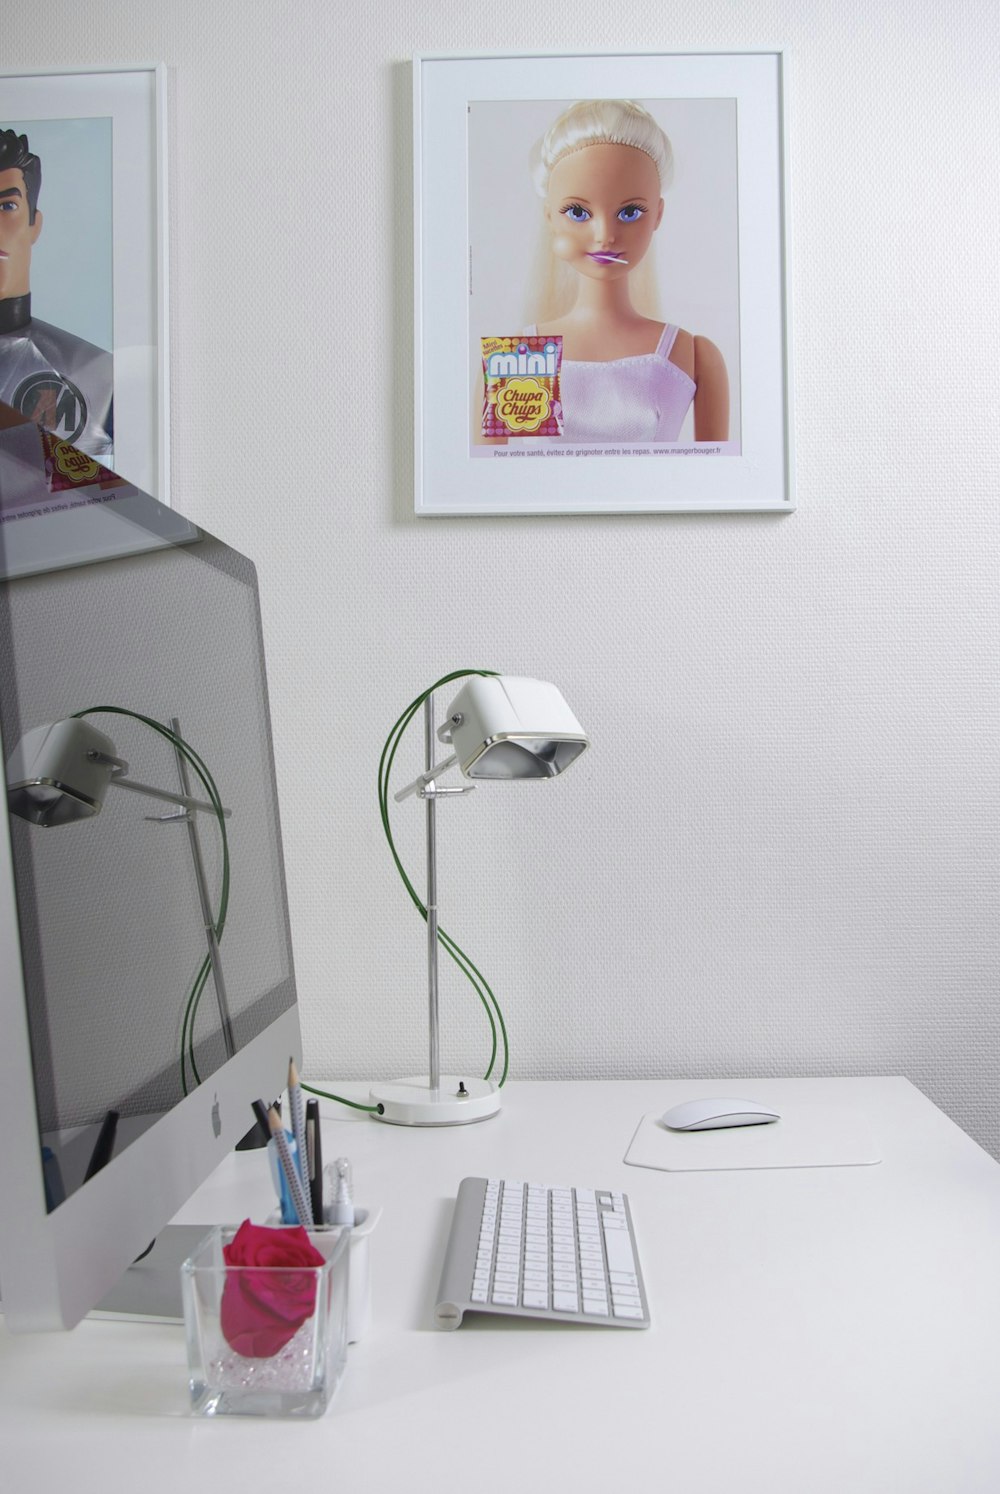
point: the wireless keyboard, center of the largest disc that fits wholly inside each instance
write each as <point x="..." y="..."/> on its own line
<point x="531" y="1251"/>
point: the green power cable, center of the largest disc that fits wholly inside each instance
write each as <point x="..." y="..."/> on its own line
<point x="475" y="977"/>
<point x="325" y="1094"/>
<point x="208" y="782"/>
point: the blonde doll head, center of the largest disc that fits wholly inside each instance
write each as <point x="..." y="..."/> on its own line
<point x="602" y="122"/>
<point x="584" y="124"/>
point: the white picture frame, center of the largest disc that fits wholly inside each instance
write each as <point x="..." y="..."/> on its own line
<point x="723" y="244"/>
<point x="99" y="266"/>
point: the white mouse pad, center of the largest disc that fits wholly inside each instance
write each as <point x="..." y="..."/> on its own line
<point x="809" y="1134"/>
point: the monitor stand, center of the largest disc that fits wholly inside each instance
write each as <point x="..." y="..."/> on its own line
<point x="150" y="1290"/>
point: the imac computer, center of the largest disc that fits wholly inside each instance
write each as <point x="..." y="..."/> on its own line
<point x="147" y="993"/>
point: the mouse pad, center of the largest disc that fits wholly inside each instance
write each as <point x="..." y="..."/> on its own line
<point x="809" y="1134"/>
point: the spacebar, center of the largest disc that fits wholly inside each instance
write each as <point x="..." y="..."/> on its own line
<point x="619" y="1248"/>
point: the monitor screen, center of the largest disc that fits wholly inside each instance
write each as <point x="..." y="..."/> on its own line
<point x="145" y="953"/>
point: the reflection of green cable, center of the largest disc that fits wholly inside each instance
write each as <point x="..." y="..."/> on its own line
<point x="191" y="757"/>
<point x="461" y="959"/>
<point x="190" y="1012"/>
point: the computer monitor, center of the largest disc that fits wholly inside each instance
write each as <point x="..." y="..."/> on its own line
<point x="119" y="1044"/>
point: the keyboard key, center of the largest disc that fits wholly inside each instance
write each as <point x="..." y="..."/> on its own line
<point x="565" y="1302"/>
<point x="619" y="1249"/>
<point x="598" y="1305"/>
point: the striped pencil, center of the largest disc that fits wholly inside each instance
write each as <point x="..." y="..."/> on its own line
<point x="299" y="1196"/>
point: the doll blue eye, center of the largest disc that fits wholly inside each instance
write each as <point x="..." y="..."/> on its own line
<point x="576" y="213"/>
<point x="631" y="213"/>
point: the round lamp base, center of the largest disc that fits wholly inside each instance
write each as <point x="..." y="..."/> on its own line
<point x="455" y="1102"/>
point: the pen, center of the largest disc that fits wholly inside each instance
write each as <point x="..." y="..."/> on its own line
<point x="314" y="1158"/>
<point x="260" y="1111"/>
<point x="104" y="1145"/>
<point x="55" y="1192"/>
<point x="288" y="1167"/>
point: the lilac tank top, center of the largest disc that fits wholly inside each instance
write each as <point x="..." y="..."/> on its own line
<point x="641" y="399"/>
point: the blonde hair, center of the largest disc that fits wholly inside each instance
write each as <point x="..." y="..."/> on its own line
<point x="602" y="122"/>
<point x="585" y="123"/>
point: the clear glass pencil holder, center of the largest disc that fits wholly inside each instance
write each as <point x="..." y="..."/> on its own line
<point x="265" y="1340"/>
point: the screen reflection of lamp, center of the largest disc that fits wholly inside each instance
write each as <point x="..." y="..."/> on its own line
<point x="501" y="728"/>
<point x="60" y="773"/>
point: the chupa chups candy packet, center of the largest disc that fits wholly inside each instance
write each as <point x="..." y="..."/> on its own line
<point x="66" y="467"/>
<point x="521" y="386"/>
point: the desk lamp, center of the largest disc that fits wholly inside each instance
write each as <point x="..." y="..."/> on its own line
<point x="500" y="728"/>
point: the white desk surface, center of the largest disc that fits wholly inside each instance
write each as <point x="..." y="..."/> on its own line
<point x="815" y="1331"/>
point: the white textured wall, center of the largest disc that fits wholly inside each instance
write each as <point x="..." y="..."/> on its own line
<point x="797" y="873"/>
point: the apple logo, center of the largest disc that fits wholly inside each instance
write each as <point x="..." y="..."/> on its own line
<point x="216" y="1118"/>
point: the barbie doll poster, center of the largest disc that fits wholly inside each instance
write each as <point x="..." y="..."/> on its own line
<point x="617" y="253"/>
<point x="600" y="315"/>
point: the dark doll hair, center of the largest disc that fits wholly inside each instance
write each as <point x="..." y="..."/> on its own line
<point x="15" y="155"/>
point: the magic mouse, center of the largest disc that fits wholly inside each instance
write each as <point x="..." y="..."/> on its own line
<point x="714" y="1114"/>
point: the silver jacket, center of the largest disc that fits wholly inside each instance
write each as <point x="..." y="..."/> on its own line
<point x="62" y="382"/>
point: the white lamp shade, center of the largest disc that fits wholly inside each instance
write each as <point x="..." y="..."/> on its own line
<point x="506" y="727"/>
<point x="52" y="779"/>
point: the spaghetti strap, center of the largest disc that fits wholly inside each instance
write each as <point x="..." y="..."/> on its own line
<point x="666" y="341"/>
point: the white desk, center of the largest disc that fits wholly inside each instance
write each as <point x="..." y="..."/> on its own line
<point x="815" y="1331"/>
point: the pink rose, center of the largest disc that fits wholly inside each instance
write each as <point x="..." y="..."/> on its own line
<point x="262" y="1310"/>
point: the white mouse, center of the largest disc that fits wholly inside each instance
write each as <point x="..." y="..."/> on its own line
<point x="714" y="1114"/>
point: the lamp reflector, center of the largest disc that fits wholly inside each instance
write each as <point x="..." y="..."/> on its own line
<point x="504" y="727"/>
<point x="59" y="772"/>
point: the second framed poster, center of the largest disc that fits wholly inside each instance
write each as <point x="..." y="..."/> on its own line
<point x="83" y="347"/>
<point x="601" y="317"/>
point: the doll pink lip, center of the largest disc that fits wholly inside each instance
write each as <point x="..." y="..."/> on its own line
<point x="608" y="257"/>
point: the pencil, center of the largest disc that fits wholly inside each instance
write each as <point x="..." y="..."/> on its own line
<point x="298" y="1117"/>
<point x="288" y="1167"/>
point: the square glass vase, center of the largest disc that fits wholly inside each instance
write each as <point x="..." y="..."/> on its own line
<point x="265" y="1340"/>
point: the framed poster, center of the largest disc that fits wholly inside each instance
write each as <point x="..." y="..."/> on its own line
<point x="83" y="347"/>
<point x="600" y="284"/>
